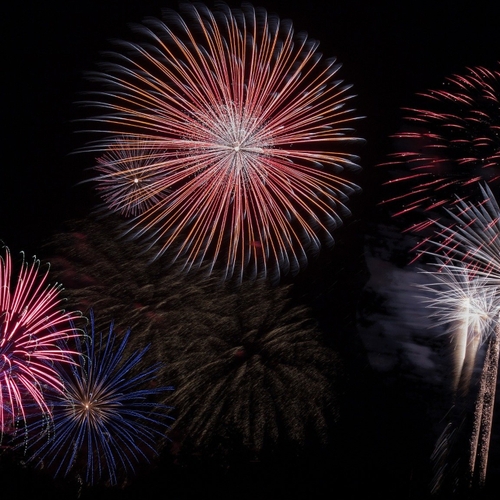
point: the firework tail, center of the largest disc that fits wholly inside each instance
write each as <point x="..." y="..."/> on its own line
<point x="468" y="363"/>
<point x="461" y="340"/>
<point x="447" y="471"/>
<point x="483" y="413"/>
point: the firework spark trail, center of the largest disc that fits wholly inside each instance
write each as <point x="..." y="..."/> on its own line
<point x="464" y="302"/>
<point x="250" y="369"/>
<point x="106" y="420"/>
<point x="451" y="145"/>
<point x="254" y="131"/>
<point x="272" y="380"/>
<point x="119" y="278"/>
<point x="483" y="416"/>
<point x="452" y="296"/>
<point x="31" y="325"/>
<point x="469" y="306"/>
<point x="461" y="339"/>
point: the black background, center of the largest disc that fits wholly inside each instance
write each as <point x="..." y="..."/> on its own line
<point x="389" y="51"/>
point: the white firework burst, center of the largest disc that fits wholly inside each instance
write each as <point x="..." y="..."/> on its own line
<point x="455" y="294"/>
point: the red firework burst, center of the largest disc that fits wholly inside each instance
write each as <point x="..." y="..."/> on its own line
<point x="450" y="146"/>
<point x="249" y="131"/>
<point x="31" y="326"/>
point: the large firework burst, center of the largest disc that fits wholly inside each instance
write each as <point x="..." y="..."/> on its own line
<point x="449" y="145"/>
<point x="249" y="368"/>
<point x="470" y="307"/>
<point x="271" y="379"/>
<point x="106" y="420"/>
<point x="116" y="276"/>
<point x="231" y="133"/>
<point x="31" y="325"/>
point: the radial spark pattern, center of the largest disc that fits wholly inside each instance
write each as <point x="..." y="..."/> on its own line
<point x="470" y="246"/>
<point x="126" y="182"/>
<point x="107" y="420"/>
<point x="271" y="379"/>
<point x="116" y="276"/>
<point x="456" y="296"/>
<point x="250" y="370"/>
<point x="469" y="305"/>
<point x="450" y="144"/>
<point x="250" y="130"/>
<point x="31" y="324"/>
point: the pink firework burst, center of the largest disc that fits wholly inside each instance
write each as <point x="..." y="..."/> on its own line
<point x="450" y="145"/>
<point x="31" y="326"/>
<point x="250" y="133"/>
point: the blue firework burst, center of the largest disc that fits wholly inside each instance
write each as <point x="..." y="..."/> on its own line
<point x="107" y="420"/>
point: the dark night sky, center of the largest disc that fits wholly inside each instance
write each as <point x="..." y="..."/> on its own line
<point x="389" y="51"/>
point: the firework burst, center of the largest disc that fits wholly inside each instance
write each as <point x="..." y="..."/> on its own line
<point x="469" y="248"/>
<point x="126" y="183"/>
<point x="31" y="325"/>
<point x="250" y="132"/>
<point x="106" y="420"/>
<point x="103" y="271"/>
<point x="271" y="378"/>
<point x="469" y="307"/>
<point x="457" y="296"/>
<point x="450" y="145"/>
<point x="249" y="369"/>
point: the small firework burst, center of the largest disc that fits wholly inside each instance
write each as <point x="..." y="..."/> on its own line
<point x="250" y="132"/>
<point x="457" y="296"/>
<point x="31" y="325"/>
<point x="450" y="145"/>
<point x="126" y="182"/>
<point x="106" y="420"/>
